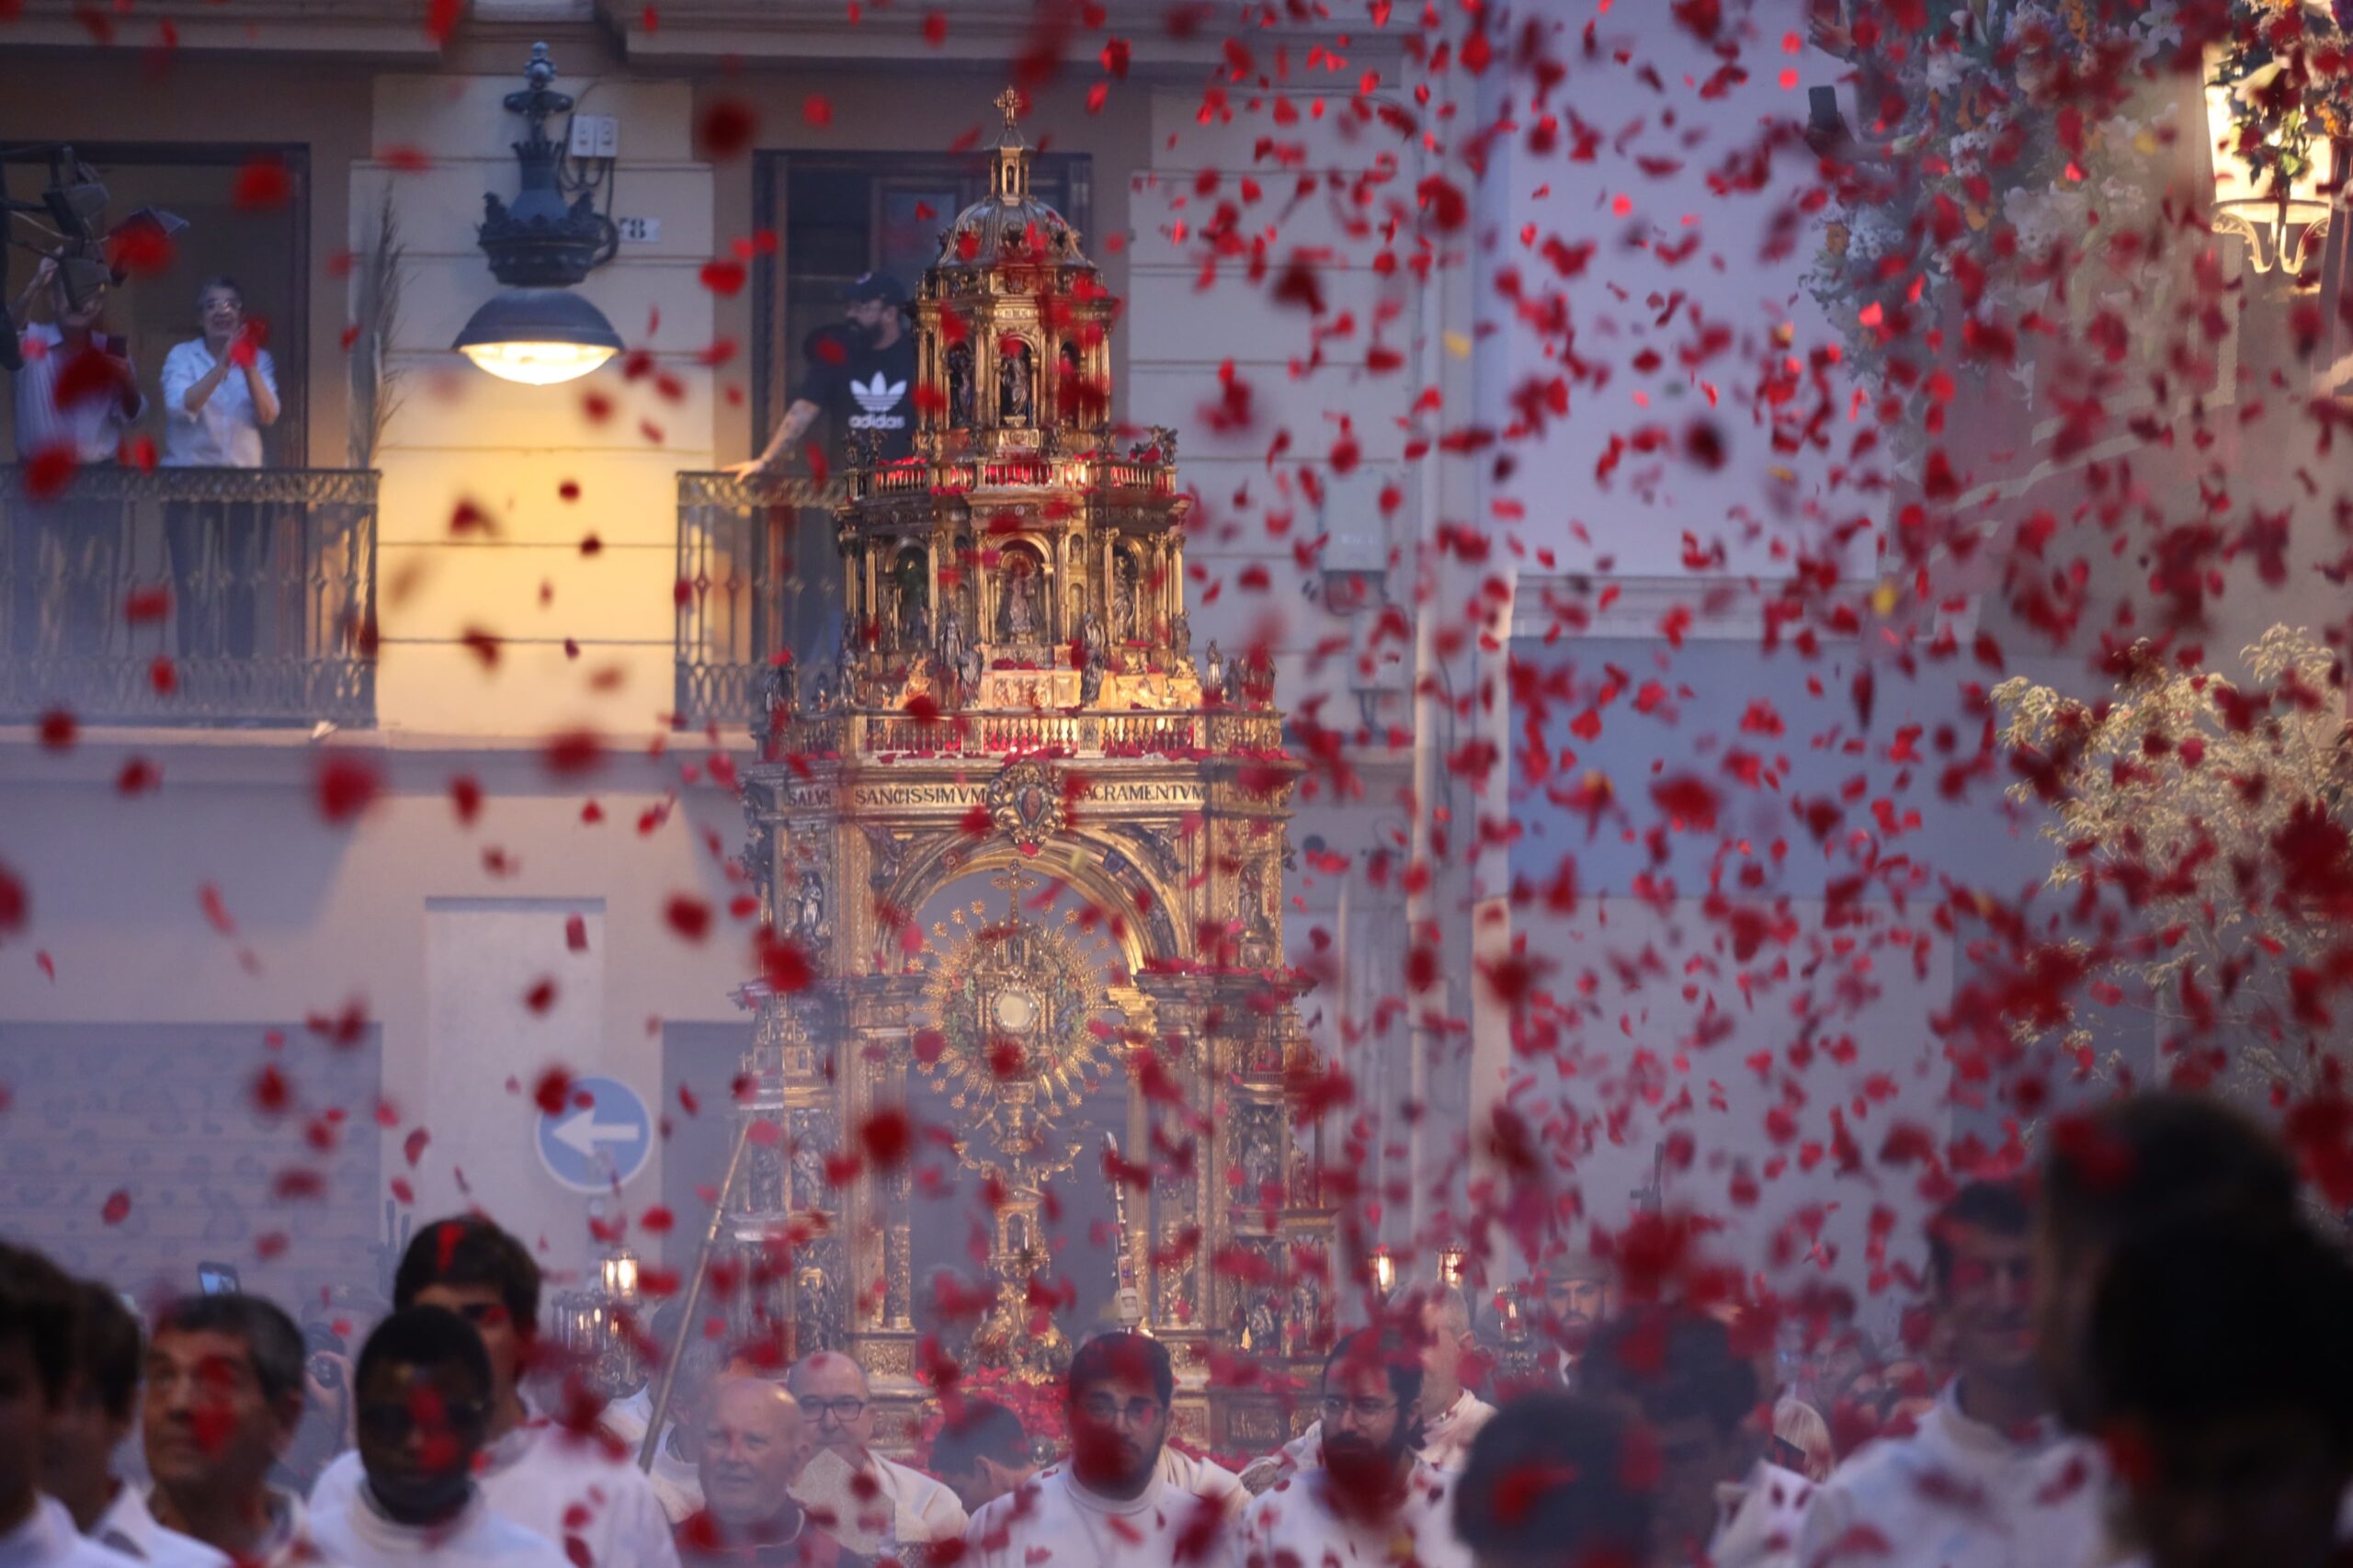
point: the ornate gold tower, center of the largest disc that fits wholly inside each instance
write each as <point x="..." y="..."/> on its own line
<point x="1034" y="861"/>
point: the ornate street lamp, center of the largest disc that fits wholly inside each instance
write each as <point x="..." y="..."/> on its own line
<point x="593" y="1328"/>
<point x="537" y="331"/>
<point x="2274" y="122"/>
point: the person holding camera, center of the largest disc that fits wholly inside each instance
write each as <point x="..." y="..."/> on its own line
<point x="77" y="401"/>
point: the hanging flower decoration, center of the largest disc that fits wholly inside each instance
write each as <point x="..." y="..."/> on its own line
<point x="2281" y="75"/>
<point x="1998" y="142"/>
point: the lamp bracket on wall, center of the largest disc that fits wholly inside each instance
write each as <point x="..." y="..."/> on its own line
<point x="540" y="241"/>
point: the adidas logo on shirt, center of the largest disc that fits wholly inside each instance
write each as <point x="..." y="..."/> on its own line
<point x="878" y="398"/>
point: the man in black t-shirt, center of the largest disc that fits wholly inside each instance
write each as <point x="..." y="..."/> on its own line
<point x="861" y="376"/>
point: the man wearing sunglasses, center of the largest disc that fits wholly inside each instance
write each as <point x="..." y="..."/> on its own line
<point x="570" y="1487"/>
<point x="424" y="1401"/>
<point x="1372" y="1499"/>
<point x="837" y="1407"/>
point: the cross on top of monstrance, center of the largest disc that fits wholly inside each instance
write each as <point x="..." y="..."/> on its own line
<point x="1009" y="101"/>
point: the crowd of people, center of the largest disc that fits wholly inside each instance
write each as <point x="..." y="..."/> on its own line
<point x="79" y="404"/>
<point x="2139" y="1347"/>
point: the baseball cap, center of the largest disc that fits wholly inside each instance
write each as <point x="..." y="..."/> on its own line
<point x="875" y="286"/>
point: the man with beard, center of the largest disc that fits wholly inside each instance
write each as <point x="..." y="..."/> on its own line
<point x="2220" y="1380"/>
<point x="753" y="1446"/>
<point x="1372" y="1500"/>
<point x="861" y="376"/>
<point x="423" y="1395"/>
<point x="1453" y="1414"/>
<point x="1717" y="1500"/>
<point x="1109" y="1507"/>
<point x="902" y="1503"/>
<point x="1577" y="1298"/>
<point x="1988" y="1480"/>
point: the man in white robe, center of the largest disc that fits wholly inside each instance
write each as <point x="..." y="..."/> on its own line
<point x="1370" y="1502"/>
<point x="1676" y="1371"/>
<point x="566" y="1486"/>
<point x="37" y="1349"/>
<point x="1109" y="1505"/>
<point x="101" y="1407"/>
<point x="223" y="1400"/>
<point x="1989" y="1480"/>
<point x="1451" y="1417"/>
<point x="838" y="1408"/>
<point x="423" y="1392"/>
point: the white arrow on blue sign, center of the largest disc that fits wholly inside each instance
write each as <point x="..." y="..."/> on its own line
<point x="602" y="1136"/>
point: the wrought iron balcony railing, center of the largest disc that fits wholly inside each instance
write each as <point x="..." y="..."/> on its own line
<point x="738" y="583"/>
<point x="189" y="595"/>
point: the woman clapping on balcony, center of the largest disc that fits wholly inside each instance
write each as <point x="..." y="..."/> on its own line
<point x="219" y="392"/>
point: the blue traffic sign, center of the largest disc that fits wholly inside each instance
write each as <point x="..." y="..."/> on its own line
<point x="601" y="1137"/>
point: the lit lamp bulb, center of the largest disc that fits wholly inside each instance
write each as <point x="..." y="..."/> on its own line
<point x="620" y="1275"/>
<point x="1384" y="1270"/>
<point x="1451" y="1263"/>
<point x="538" y="336"/>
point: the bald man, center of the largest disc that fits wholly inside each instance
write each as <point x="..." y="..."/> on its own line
<point x="753" y="1444"/>
<point x="1453" y="1414"/>
<point x="836" y="1404"/>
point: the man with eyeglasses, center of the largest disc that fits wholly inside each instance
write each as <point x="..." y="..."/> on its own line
<point x="424" y="1391"/>
<point x="1451" y="1415"/>
<point x="838" y="1405"/>
<point x="1372" y="1499"/>
<point x="224" y="1399"/>
<point x="576" y="1489"/>
<point x="1108" y="1505"/>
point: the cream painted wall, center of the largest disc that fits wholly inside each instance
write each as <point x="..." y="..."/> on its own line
<point x="339" y="916"/>
<point x="463" y="436"/>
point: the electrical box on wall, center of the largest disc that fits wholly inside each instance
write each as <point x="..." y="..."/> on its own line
<point x="595" y="136"/>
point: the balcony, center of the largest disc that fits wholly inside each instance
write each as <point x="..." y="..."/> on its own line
<point x="735" y="571"/>
<point x="737" y="584"/>
<point x="190" y="596"/>
<point x="1183" y="732"/>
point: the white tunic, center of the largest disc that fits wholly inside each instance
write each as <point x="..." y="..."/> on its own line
<point x="921" y="1510"/>
<point x="48" y="1540"/>
<point x="128" y="1526"/>
<point x="358" y="1535"/>
<point x="1053" y="1522"/>
<point x="1762" y="1516"/>
<point x="225" y="433"/>
<point x="1295" y="1526"/>
<point x="678" y="1483"/>
<point x="1203" y="1478"/>
<point x="538" y="1473"/>
<point x="1958" y="1493"/>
